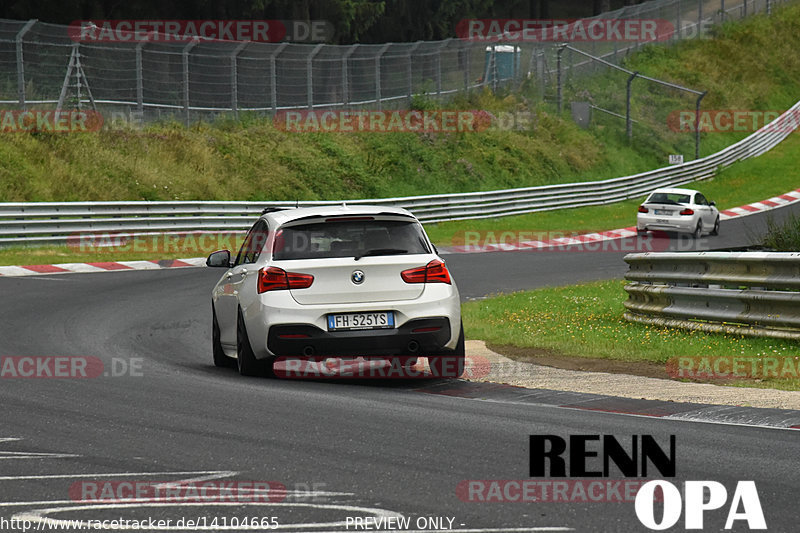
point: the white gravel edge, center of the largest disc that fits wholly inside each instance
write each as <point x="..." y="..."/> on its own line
<point x="490" y="366"/>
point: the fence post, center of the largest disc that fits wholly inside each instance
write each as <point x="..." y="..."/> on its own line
<point x="378" y="74"/>
<point x="273" y="74"/>
<point x="559" y="92"/>
<point x="744" y="13"/>
<point x="540" y="71"/>
<point x="769" y="8"/>
<point x="679" y="21"/>
<point x="628" y="123"/>
<point x="439" y="69"/>
<point x="345" y="77"/>
<point x="467" y="59"/>
<point x="310" y="76"/>
<point x="185" y="57"/>
<point x="699" y="17"/>
<point x="21" y="63"/>
<point x="235" y="79"/>
<point x="697" y="125"/>
<point x="722" y="10"/>
<point x="409" y="73"/>
<point x="140" y="74"/>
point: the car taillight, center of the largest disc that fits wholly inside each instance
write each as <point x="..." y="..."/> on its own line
<point x="687" y="211"/>
<point x="433" y="272"/>
<point x="643" y="209"/>
<point x="277" y="279"/>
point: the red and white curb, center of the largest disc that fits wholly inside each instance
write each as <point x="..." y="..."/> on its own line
<point x="622" y="233"/>
<point x="108" y="266"/>
<point x="587" y="238"/>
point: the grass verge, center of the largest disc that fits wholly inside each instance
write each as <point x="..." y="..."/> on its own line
<point x="744" y="182"/>
<point x="585" y="321"/>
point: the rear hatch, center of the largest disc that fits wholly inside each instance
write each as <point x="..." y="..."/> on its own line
<point x="379" y="277"/>
<point x="353" y="259"/>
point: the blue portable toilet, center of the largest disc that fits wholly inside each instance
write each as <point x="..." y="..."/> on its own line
<point x="507" y="61"/>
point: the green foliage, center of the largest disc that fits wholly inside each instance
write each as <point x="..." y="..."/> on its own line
<point x="783" y="236"/>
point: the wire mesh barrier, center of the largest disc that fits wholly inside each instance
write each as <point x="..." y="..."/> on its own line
<point x="43" y="64"/>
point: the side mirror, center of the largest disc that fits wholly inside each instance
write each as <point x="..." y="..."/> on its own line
<point x="712" y="204"/>
<point x="220" y="259"/>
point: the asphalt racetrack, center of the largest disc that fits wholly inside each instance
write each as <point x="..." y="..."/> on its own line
<point x="312" y="455"/>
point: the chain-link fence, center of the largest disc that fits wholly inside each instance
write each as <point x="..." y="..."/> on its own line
<point x="42" y="65"/>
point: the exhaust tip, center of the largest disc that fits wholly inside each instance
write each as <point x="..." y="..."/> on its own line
<point x="413" y="346"/>
<point x="308" y="351"/>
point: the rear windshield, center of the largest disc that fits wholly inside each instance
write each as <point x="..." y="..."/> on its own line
<point x="353" y="238"/>
<point x="668" y="198"/>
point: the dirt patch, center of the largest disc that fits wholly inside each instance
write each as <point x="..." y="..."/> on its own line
<point x="539" y="356"/>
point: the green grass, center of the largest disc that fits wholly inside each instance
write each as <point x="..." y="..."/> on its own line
<point x="145" y="248"/>
<point x="750" y="65"/>
<point x="586" y="321"/>
<point x="752" y="180"/>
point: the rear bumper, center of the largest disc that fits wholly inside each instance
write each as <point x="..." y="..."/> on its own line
<point x="684" y="225"/>
<point x="308" y="340"/>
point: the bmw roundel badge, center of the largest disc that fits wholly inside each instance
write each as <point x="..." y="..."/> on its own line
<point x="357" y="276"/>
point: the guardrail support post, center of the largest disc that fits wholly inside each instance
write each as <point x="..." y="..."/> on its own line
<point x="185" y="57"/>
<point x="628" y="123"/>
<point x="697" y="125"/>
<point x="21" y="63"/>
<point x="235" y="79"/>
<point x="769" y="8"/>
<point x="559" y="90"/>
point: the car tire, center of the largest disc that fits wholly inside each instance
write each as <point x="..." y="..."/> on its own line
<point x="698" y="231"/>
<point x="220" y="359"/>
<point x="450" y="365"/>
<point x="246" y="360"/>
<point x="715" y="231"/>
<point x="641" y="232"/>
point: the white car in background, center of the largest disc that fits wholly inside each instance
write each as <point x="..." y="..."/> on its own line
<point x="336" y="282"/>
<point x="678" y="210"/>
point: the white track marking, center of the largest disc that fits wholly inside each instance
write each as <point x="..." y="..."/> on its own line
<point x="220" y="473"/>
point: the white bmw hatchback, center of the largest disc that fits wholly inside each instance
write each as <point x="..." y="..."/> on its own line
<point x="336" y="282"/>
<point x="680" y="211"/>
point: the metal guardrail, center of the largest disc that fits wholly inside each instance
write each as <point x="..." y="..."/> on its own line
<point x="56" y="222"/>
<point x="745" y="293"/>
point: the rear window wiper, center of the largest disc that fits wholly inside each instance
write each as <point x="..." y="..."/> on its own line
<point x="381" y="251"/>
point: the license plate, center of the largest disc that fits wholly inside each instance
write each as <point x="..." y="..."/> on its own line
<point x="662" y="221"/>
<point x="347" y="321"/>
<point x="663" y="212"/>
